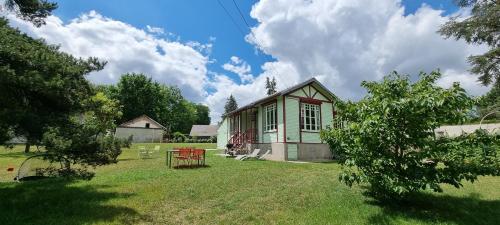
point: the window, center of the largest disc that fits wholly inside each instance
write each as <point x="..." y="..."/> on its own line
<point x="310" y="117"/>
<point x="147" y="125"/>
<point x="270" y="117"/>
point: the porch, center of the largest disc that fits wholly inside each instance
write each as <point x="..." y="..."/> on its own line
<point x="243" y="130"/>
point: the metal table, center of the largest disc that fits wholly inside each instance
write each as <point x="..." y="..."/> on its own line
<point x="170" y="153"/>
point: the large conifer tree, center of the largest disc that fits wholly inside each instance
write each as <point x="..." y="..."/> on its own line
<point x="482" y="27"/>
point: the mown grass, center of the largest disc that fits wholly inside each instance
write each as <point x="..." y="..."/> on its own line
<point x="136" y="191"/>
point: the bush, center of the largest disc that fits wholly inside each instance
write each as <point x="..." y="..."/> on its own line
<point x="126" y="143"/>
<point x="389" y="141"/>
<point x="111" y="147"/>
<point x="179" y="137"/>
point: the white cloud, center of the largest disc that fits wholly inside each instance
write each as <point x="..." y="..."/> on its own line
<point x="155" y="30"/>
<point x="467" y="82"/>
<point x="339" y="42"/>
<point x="285" y="74"/>
<point x="204" y="48"/>
<point x="347" y="41"/>
<point x="240" y="67"/>
<point x="126" y="49"/>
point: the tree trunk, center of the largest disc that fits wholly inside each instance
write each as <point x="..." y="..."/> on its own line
<point x="27" y="147"/>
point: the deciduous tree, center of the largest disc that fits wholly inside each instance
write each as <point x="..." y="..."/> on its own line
<point x="389" y="140"/>
<point x="202" y="114"/>
<point x="139" y="94"/>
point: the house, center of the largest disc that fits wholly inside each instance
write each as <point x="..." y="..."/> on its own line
<point x="141" y="129"/>
<point x="203" y="131"/>
<point x="288" y="123"/>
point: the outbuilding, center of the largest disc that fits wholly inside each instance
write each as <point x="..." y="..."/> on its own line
<point x="141" y="129"/>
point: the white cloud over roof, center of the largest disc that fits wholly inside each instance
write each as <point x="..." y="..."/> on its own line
<point x="339" y="42"/>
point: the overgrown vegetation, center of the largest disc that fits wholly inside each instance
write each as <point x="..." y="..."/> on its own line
<point x="389" y="140"/>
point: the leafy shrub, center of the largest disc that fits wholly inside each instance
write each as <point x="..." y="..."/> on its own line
<point x="126" y="143"/>
<point x="179" y="137"/>
<point x="389" y="139"/>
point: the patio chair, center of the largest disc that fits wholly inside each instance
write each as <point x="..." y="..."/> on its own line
<point x="142" y="151"/>
<point x="254" y="154"/>
<point x="150" y="153"/>
<point x="265" y="154"/>
<point x="197" y="155"/>
<point x="184" y="154"/>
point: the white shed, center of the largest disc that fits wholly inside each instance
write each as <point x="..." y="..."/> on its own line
<point x="141" y="129"/>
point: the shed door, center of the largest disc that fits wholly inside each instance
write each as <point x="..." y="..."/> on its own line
<point x="292" y="152"/>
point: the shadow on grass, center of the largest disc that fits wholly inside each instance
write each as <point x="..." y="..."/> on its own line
<point x="432" y="208"/>
<point x="55" y="201"/>
<point x="188" y="167"/>
<point x="127" y="159"/>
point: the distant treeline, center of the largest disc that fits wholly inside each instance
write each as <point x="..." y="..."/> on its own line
<point x="138" y="94"/>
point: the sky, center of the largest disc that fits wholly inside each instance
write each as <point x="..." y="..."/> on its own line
<point x="213" y="48"/>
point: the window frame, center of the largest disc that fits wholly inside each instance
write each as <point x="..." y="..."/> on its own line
<point x="269" y="126"/>
<point x="310" y="117"/>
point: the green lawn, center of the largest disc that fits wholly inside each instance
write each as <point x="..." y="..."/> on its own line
<point x="136" y="191"/>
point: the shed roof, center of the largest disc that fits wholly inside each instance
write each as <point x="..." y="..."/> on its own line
<point x="289" y="90"/>
<point x="204" y="130"/>
<point x="127" y="124"/>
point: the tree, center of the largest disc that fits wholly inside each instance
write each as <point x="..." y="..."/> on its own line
<point x="39" y="85"/>
<point x="45" y="97"/>
<point x="86" y="138"/>
<point x="140" y="95"/>
<point x="489" y="103"/>
<point x="185" y="116"/>
<point x="271" y="86"/>
<point x="480" y="28"/>
<point x="231" y="105"/>
<point x="202" y="114"/>
<point x="389" y="139"/>
<point x="176" y="112"/>
<point x="34" y="11"/>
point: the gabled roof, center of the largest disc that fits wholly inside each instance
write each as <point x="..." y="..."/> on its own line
<point x="141" y="117"/>
<point x="204" y="130"/>
<point x="321" y="88"/>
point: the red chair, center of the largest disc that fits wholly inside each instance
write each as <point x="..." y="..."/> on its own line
<point x="198" y="155"/>
<point x="184" y="155"/>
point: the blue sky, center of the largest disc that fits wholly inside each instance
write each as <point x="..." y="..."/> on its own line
<point x="198" y="20"/>
<point x="195" y="45"/>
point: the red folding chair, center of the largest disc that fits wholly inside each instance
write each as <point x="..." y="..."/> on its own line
<point x="184" y="155"/>
<point x="197" y="155"/>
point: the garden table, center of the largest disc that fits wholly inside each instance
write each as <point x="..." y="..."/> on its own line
<point x="171" y="152"/>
